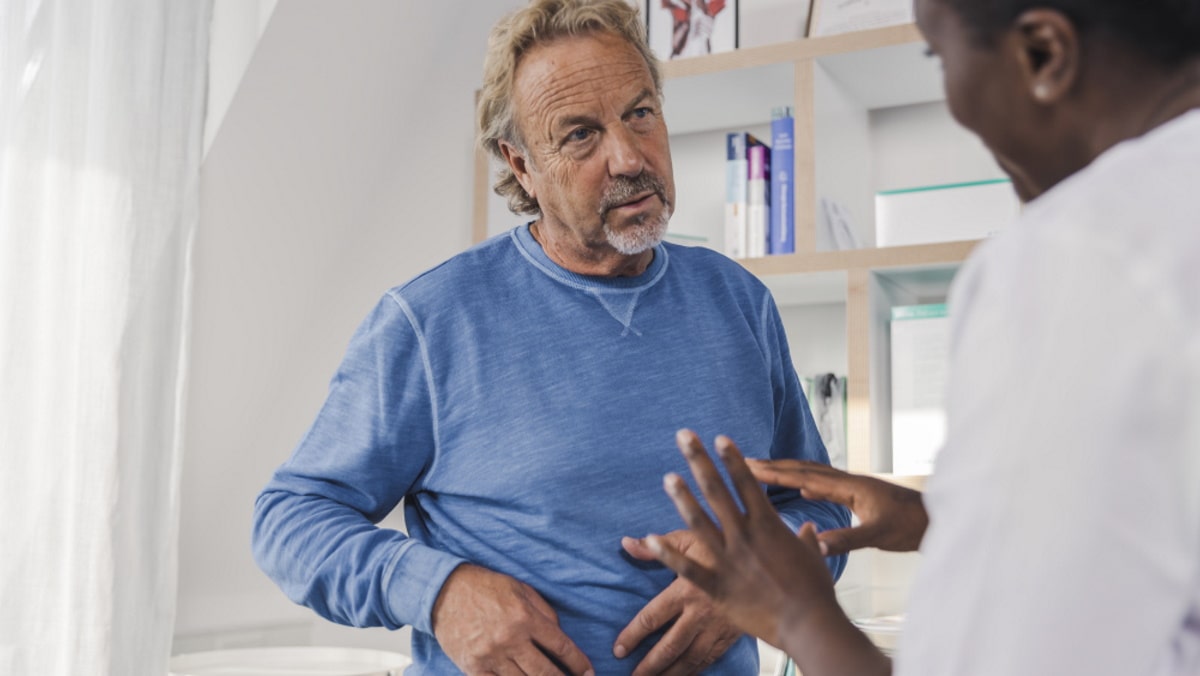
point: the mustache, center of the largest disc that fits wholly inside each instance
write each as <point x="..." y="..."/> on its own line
<point x="624" y="188"/>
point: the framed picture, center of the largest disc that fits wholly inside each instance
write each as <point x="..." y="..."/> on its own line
<point x="681" y="28"/>
<point x="830" y="17"/>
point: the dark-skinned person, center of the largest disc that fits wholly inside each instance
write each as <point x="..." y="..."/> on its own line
<point x="1060" y="530"/>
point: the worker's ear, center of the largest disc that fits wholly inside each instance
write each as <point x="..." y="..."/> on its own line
<point x="1047" y="48"/>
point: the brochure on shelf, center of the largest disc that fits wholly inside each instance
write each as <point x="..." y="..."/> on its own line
<point x="835" y="227"/>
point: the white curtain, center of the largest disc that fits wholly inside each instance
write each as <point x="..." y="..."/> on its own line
<point x="101" y="122"/>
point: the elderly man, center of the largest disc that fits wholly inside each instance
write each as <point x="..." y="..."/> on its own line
<point x="521" y="398"/>
<point x="1064" y="513"/>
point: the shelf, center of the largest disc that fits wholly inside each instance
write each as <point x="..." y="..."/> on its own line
<point x="808" y="48"/>
<point x="886" y="77"/>
<point x="878" y="68"/>
<point x="861" y="259"/>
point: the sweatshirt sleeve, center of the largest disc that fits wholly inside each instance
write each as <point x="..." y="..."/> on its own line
<point x="314" y="529"/>
<point x="796" y="437"/>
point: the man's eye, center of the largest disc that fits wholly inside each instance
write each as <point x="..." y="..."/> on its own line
<point x="642" y="113"/>
<point x="581" y="134"/>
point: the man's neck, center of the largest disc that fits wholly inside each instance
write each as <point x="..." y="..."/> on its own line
<point x="597" y="261"/>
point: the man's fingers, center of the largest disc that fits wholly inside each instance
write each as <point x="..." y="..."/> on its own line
<point x="673" y="646"/>
<point x="653" y="616"/>
<point x="637" y="549"/>
<point x="552" y="640"/>
<point x="540" y="605"/>
<point x="699" y="657"/>
<point x="528" y="661"/>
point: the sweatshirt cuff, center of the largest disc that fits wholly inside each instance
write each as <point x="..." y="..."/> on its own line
<point x="414" y="583"/>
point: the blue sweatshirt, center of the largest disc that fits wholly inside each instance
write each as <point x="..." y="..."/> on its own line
<point x="526" y="415"/>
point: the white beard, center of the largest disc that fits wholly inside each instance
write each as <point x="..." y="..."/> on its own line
<point x="640" y="237"/>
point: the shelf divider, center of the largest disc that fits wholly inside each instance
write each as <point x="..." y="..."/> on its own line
<point x="858" y="376"/>
<point x="804" y="172"/>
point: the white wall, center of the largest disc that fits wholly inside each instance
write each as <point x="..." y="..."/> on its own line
<point x="236" y="28"/>
<point x="921" y="144"/>
<point x="342" y="167"/>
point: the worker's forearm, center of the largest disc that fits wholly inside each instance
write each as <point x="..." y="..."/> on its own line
<point x="823" y="642"/>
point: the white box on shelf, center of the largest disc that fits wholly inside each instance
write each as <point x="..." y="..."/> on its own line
<point x="920" y="352"/>
<point x="944" y="213"/>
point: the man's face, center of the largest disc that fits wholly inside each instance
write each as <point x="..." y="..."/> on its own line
<point x="983" y="90"/>
<point x="597" y="157"/>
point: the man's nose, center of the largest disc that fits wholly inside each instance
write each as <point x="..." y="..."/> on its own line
<point x="625" y="153"/>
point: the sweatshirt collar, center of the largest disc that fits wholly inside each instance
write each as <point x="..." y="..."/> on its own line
<point x="533" y="252"/>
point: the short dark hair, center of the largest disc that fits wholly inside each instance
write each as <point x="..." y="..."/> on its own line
<point x="1167" y="31"/>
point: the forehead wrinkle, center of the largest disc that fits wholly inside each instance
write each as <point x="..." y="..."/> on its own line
<point x="552" y="87"/>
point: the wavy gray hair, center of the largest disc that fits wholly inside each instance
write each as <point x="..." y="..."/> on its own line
<point x="540" y="22"/>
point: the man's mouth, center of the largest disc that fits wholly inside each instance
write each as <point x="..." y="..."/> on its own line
<point x="637" y="202"/>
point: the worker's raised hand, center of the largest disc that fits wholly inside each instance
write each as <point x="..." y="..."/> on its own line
<point x="758" y="572"/>
<point x="891" y="517"/>
<point x="699" y="634"/>
<point x="771" y="582"/>
<point x="490" y="623"/>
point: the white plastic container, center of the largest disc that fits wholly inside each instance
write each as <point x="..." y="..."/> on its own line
<point x="944" y="213"/>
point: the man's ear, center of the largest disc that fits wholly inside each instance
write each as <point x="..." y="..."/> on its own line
<point x="520" y="166"/>
<point x="1047" y="44"/>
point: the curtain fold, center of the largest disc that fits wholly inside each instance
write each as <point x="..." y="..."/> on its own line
<point x="101" y="124"/>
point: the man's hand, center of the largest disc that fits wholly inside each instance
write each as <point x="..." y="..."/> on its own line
<point x="891" y="517"/>
<point x="489" y="623"/>
<point x="700" y="635"/>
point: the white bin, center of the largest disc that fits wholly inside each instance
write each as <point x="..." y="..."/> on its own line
<point x="290" y="661"/>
